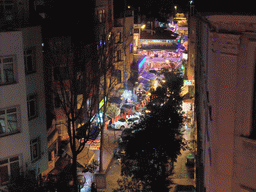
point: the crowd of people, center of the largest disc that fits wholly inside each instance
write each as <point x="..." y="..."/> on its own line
<point x="160" y="53"/>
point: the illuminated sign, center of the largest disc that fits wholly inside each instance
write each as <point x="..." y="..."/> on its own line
<point x="102" y="102"/>
<point x="188" y="82"/>
<point x="141" y="63"/>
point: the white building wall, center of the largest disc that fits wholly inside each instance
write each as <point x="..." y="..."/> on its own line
<point x="15" y="95"/>
<point x="245" y="156"/>
<point x="229" y="81"/>
<point x="35" y="85"/>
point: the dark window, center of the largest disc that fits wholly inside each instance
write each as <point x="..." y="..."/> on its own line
<point x="32" y="106"/>
<point x="9" y="168"/>
<point x="57" y="102"/>
<point x="30" y="61"/>
<point x="117" y="74"/>
<point x="119" y="55"/>
<point x="35" y="149"/>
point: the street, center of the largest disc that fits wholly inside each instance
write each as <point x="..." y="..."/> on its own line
<point x="181" y="174"/>
<point x="112" y="166"/>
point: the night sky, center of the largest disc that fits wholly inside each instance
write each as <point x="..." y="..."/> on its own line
<point x="210" y="6"/>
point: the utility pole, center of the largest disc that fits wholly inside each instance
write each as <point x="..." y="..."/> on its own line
<point x="124" y="48"/>
<point x="102" y="121"/>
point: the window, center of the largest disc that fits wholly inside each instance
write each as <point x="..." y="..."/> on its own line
<point x="131" y="47"/>
<point x="32" y="106"/>
<point x="118" y="37"/>
<point x="6" y="70"/>
<point x="35" y="149"/>
<point x="7" y="10"/>
<point x="101" y="15"/>
<point x="60" y="73"/>
<point x="131" y="30"/>
<point x="29" y="60"/>
<point x="117" y="74"/>
<point x="118" y="58"/>
<point x="9" y="167"/>
<point x="57" y="102"/>
<point x="61" y="126"/>
<point x="8" y="121"/>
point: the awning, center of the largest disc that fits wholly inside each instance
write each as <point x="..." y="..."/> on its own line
<point x="84" y="158"/>
<point x="116" y="100"/>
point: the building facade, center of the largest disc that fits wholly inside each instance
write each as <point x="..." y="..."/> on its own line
<point x="23" y="142"/>
<point x="14" y="129"/>
<point x="225" y="102"/>
<point x="35" y="90"/>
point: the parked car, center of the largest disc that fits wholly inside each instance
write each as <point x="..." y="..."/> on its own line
<point x="120" y="124"/>
<point x="184" y="188"/>
<point x="133" y="120"/>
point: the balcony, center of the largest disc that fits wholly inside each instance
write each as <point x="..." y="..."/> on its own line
<point x="52" y="137"/>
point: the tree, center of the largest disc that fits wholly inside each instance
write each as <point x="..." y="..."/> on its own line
<point x="126" y="184"/>
<point x="74" y="92"/>
<point x="152" y="146"/>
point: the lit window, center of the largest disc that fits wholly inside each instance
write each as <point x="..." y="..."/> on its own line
<point x="32" y="106"/>
<point x="101" y="16"/>
<point x="61" y="126"/>
<point x="29" y="60"/>
<point x="6" y="69"/>
<point x="9" y="168"/>
<point x="8" y="121"/>
<point x="35" y="149"/>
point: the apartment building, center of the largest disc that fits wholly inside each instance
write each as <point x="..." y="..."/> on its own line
<point x="35" y="90"/>
<point x="123" y="55"/>
<point x="225" y="102"/>
<point x="14" y="132"/>
<point x="23" y="144"/>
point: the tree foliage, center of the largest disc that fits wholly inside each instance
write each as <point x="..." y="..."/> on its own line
<point x="153" y="145"/>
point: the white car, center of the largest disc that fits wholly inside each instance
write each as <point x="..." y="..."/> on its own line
<point x="132" y="120"/>
<point x="120" y="124"/>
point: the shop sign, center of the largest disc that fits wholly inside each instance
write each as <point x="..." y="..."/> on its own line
<point x="102" y="102"/>
<point x="93" y="144"/>
<point x="188" y="82"/>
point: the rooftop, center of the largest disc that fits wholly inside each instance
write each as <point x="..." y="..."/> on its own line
<point x="167" y="35"/>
